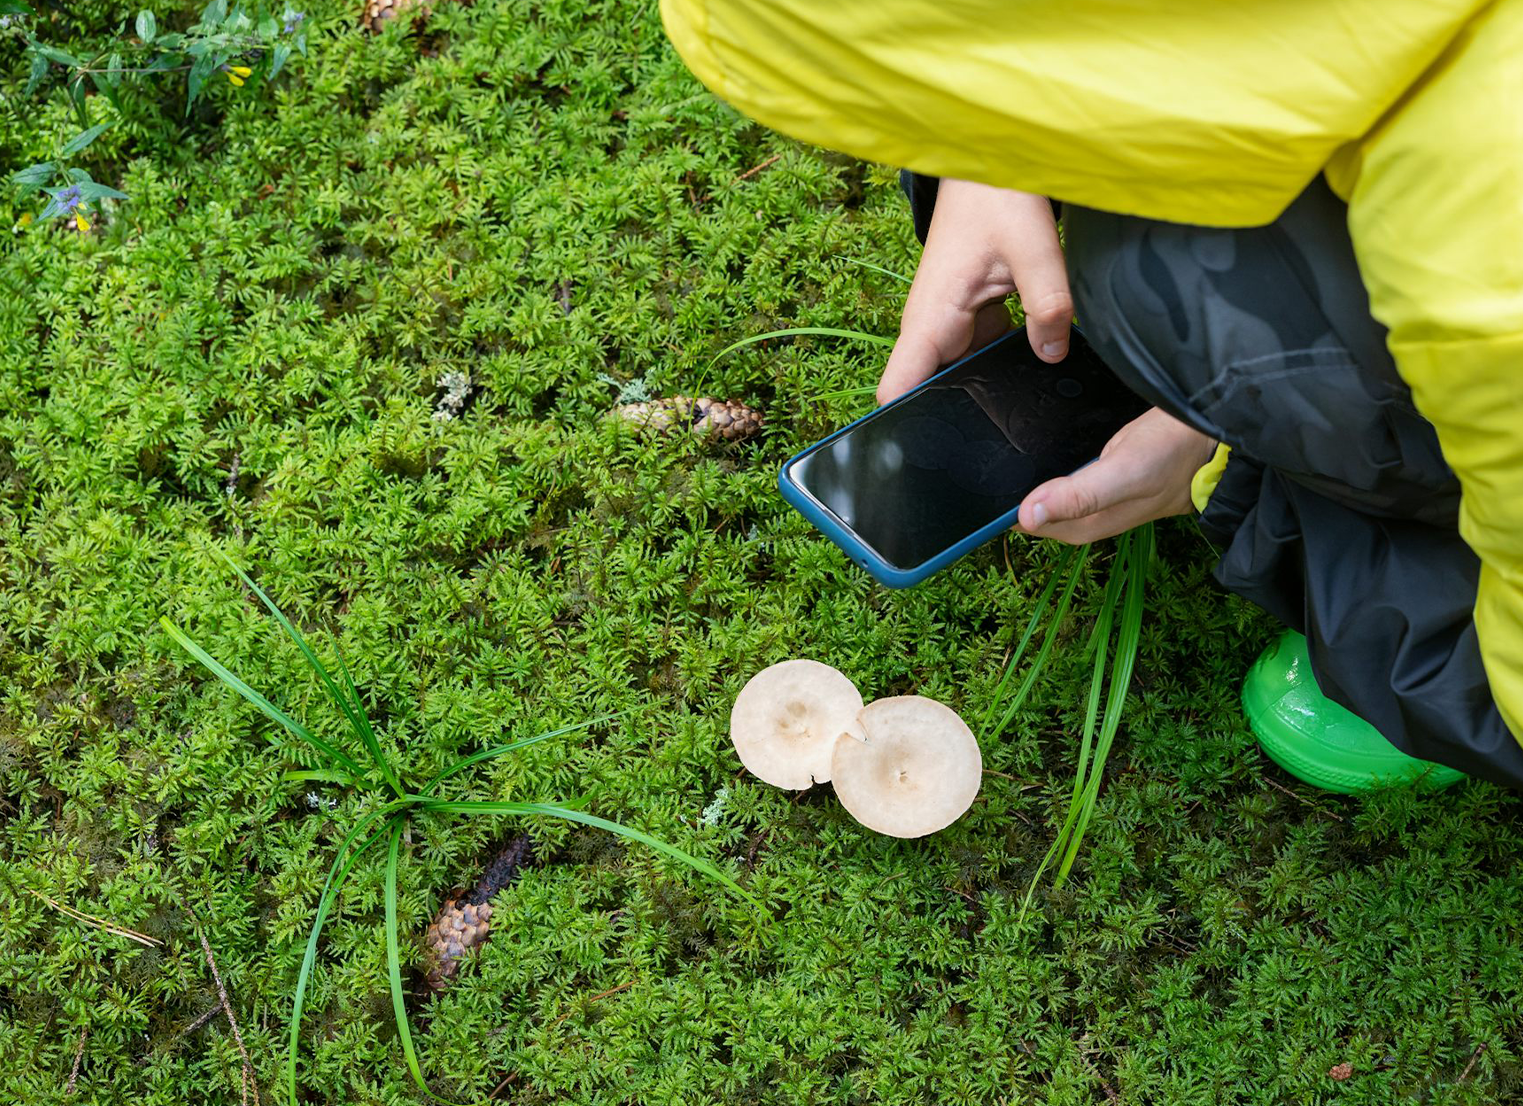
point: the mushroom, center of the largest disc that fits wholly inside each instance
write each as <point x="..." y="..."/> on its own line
<point x="916" y="770"/>
<point x="787" y="718"/>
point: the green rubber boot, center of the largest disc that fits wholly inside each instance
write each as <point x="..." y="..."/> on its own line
<point x="1318" y="741"/>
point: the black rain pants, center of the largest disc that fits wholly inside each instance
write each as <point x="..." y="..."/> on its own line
<point x="1336" y="512"/>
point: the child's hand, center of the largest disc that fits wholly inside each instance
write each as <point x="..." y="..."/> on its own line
<point x="983" y="244"/>
<point x="1143" y="473"/>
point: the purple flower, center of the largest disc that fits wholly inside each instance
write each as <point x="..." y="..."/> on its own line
<point x="68" y="199"/>
<point x="293" y="20"/>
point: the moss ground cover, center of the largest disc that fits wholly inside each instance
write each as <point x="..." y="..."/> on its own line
<point x="251" y="353"/>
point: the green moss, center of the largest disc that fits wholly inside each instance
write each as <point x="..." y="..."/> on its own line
<point x="250" y="353"/>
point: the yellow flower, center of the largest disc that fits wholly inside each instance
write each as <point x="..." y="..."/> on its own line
<point x="25" y="220"/>
<point x="81" y="222"/>
<point x="238" y="74"/>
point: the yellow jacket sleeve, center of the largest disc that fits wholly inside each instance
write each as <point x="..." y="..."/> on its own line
<point x="1435" y="197"/>
<point x="1194" y="111"/>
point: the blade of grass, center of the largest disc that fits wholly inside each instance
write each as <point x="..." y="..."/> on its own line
<point x="354" y="712"/>
<point x="267" y="708"/>
<point x="845" y="393"/>
<point x="875" y="268"/>
<point x="804" y="331"/>
<point x="367" y="731"/>
<point x="1099" y="646"/>
<point x="789" y="332"/>
<point x="552" y="810"/>
<point x="1124" y="588"/>
<point x="331" y="886"/>
<point x="1045" y="651"/>
<point x="320" y="775"/>
<point x="1036" y="618"/>
<point x="499" y="750"/>
<point x="1128" y="639"/>
<point x="394" y="959"/>
<point x="105" y="924"/>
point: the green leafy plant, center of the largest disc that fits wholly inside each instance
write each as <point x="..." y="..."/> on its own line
<point x="232" y="41"/>
<point x="70" y="189"/>
<point x="398" y="806"/>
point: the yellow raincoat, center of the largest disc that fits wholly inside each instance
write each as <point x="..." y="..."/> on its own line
<point x="1216" y="114"/>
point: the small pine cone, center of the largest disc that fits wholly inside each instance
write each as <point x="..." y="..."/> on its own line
<point x="377" y="12"/>
<point x="725" y="420"/>
<point x="460" y="928"/>
<point x="464" y="923"/>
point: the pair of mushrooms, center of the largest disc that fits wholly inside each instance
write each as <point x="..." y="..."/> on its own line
<point x="905" y="766"/>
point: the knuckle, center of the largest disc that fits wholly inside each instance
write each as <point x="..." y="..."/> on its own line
<point x="1050" y="309"/>
<point x="1085" y="503"/>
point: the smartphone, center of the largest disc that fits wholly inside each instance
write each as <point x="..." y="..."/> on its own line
<point x="911" y="487"/>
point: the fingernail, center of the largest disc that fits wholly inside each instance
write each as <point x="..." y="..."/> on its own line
<point x="1053" y="349"/>
<point x="1039" y="516"/>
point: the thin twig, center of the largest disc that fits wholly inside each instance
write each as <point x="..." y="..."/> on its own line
<point x="1299" y="799"/>
<point x="1474" y="1056"/>
<point x="227" y="1008"/>
<point x="79" y="1056"/>
<point x="1110" y="1095"/>
<point x="99" y="923"/>
<point x="756" y="844"/>
<point x="201" y="1019"/>
<point x="497" y="1090"/>
<point x="751" y="172"/>
<point x="747" y="175"/>
<point x="595" y="998"/>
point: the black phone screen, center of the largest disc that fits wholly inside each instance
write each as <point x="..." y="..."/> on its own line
<point x="916" y="477"/>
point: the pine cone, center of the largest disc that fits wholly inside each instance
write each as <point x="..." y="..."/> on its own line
<point x="726" y="420"/>
<point x="377" y="12"/>
<point x="464" y="923"/>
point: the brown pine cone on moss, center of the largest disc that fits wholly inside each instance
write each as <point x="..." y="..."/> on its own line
<point x="464" y="922"/>
<point x="726" y="420"/>
<point x="377" y="12"/>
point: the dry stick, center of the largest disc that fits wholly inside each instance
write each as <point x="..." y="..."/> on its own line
<point x="756" y="845"/>
<point x="227" y="1008"/>
<point x="497" y="1090"/>
<point x="204" y="1017"/>
<point x="751" y="172"/>
<point x="79" y="1055"/>
<point x="1299" y="799"/>
<point x="1474" y="1056"/>
<point x="1110" y="1095"/>
<point x="100" y="923"/>
<point x="747" y="175"/>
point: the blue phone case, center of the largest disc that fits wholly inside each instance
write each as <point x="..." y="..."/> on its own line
<point x="832" y="528"/>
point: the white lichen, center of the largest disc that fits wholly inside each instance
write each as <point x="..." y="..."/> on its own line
<point x="457" y="389"/>
<point x="630" y="391"/>
<point x="711" y="813"/>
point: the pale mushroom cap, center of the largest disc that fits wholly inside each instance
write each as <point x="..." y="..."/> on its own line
<point x="786" y="720"/>
<point x="917" y="772"/>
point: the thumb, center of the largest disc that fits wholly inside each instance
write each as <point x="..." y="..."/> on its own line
<point x="1094" y="488"/>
